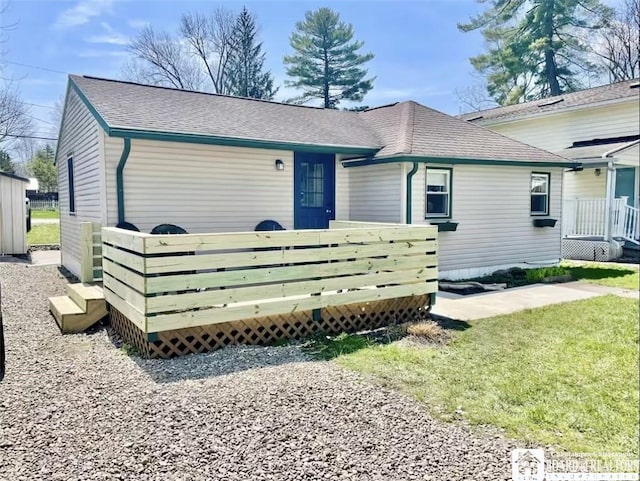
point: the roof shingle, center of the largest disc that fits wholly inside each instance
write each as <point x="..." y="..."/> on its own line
<point x="605" y="93"/>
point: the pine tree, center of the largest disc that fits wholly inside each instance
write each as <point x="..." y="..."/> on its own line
<point x="245" y="76"/>
<point x="536" y="47"/>
<point x="326" y="63"/>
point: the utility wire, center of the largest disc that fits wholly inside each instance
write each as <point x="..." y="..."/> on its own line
<point x="29" y="137"/>
<point x="35" y="67"/>
<point x="38" y="105"/>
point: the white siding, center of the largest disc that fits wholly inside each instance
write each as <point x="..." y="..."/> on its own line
<point x="585" y="184"/>
<point x="13" y="226"/>
<point x="202" y="188"/>
<point x="557" y="132"/>
<point x="492" y="206"/>
<point x="376" y="193"/>
<point x="79" y="138"/>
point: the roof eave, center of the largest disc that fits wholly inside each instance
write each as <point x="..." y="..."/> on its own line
<point x="455" y="160"/>
<point x="517" y="118"/>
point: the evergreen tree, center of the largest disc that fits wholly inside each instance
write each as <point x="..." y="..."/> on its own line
<point x="326" y="63"/>
<point x="42" y="167"/>
<point x="6" y="164"/>
<point x="536" y="47"/>
<point x="245" y="75"/>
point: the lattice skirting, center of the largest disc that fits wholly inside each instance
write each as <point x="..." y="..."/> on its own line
<point x="590" y="250"/>
<point x="266" y="330"/>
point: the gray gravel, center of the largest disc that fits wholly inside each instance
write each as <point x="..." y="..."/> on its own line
<point x="75" y="407"/>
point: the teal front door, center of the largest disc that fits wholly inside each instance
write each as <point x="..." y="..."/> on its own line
<point x="626" y="184"/>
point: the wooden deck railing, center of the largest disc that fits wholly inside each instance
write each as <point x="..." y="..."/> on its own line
<point x="91" y="252"/>
<point x="167" y="282"/>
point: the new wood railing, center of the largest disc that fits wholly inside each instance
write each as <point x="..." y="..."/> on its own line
<point x="167" y="282"/>
<point x="90" y="252"/>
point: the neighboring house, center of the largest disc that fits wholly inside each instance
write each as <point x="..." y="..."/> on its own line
<point x="13" y="214"/>
<point x="600" y="128"/>
<point x="211" y="163"/>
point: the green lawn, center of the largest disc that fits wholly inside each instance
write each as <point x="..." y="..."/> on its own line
<point x="44" y="234"/>
<point x="564" y="375"/>
<point x="606" y="274"/>
<point x="45" y="214"/>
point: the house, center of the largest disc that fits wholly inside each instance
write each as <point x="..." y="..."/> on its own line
<point x="13" y="214"/>
<point x="211" y="163"/>
<point x="600" y="128"/>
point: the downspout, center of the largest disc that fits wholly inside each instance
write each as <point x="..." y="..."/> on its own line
<point x="119" y="178"/>
<point x="409" y="198"/>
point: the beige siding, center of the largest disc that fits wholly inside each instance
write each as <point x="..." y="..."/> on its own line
<point x="376" y="193"/>
<point x="13" y="227"/>
<point x="201" y="188"/>
<point x="559" y="131"/>
<point x="492" y="205"/>
<point x="585" y="184"/>
<point x="343" y="193"/>
<point x="79" y="138"/>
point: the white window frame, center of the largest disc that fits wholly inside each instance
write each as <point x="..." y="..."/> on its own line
<point x="547" y="177"/>
<point x="447" y="194"/>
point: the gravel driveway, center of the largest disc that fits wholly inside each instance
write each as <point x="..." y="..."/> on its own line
<point x="76" y="408"/>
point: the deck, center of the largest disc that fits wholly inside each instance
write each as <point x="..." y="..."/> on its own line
<point x="174" y="294"/>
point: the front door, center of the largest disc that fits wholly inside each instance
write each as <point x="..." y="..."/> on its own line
<point x="626" y="184"/>
<point x="314" y="190"/>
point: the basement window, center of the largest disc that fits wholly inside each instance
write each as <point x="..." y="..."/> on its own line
<point x="438" y="193"/>
<point x="540" y="193"/>
<point x="72" y="190"/>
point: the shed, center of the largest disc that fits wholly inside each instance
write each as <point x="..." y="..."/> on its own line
<point x="13" y="226"/>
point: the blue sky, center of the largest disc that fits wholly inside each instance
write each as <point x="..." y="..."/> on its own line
<point x="419" y="53"/>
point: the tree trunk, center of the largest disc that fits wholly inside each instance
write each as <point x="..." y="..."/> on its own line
<point x="325" y="81"/>
<point x="550" y="67"/>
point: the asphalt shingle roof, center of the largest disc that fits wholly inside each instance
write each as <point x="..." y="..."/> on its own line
<point x="605" y="93"/>
<point x="141" y="107"/>
<point x="406" y="128"/>
<point x="412" y="129"/>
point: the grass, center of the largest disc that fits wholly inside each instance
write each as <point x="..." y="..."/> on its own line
<point x="606" y="274"/>
<point x="563" y="375"/>
<point x="45" y="214"/>
<point x="44" y="234"/>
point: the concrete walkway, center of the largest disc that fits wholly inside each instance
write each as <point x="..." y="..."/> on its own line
<point x="44" y="221"/>
<point x="45" y="258"/>
<point x="479" y="306"/>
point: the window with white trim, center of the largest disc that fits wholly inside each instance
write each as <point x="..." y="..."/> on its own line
<point x="438" y="193"/>
<point x="540" y="193"/>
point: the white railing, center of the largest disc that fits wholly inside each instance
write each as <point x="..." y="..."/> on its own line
<point x="630" y="225"/>
<point x="44" y="205"/>
<point x="587" y="217"/>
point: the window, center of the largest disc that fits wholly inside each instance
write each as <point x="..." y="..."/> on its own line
<point x="438" y="193"/>
<point x="539" y="193"/>
<point x="72" y="190"/>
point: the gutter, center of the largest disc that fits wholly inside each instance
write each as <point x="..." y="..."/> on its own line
<point x="409" y="198"/>
<point x="120" y="178"/>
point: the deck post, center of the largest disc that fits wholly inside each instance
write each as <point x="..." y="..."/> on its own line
<point x="86" y="249"/>
<point x="610" y="193"/>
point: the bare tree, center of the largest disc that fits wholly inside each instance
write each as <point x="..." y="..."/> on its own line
<point x="212" y="40"/>
<point x="619" y="45"/>
<point x="161" y="59"/>
<point x="474" y="98"/>
<point x="197" y="58"/>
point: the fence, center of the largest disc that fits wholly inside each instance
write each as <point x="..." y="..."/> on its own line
<point x="266" y="285"/>
<point x="44" y="204"/>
